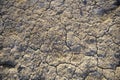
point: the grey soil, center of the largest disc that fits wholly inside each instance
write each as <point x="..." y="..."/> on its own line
<point x="59" y="40"/>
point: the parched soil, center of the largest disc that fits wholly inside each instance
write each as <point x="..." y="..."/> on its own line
<point x="59" y="40"/>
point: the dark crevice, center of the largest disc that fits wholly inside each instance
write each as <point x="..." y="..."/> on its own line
<point x="117" y="3"/>
<point x="1" y="47"/>
<point x="59" y="12"/>
<point x="113" y="6"/>
<point x="118" y="65"/>
<point x="107" y="10"/>
<point x="84" y="2"/>
<point x="8" y="63"/>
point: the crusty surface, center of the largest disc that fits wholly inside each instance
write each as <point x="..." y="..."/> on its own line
<point x="59" y="40"/>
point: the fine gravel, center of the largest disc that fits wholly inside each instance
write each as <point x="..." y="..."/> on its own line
<point x="59" y="39"/>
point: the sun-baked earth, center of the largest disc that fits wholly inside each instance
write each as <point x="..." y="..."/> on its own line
<point x="59" y="40"/>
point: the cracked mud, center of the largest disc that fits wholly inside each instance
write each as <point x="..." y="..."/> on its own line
<point x="59" y="40"/>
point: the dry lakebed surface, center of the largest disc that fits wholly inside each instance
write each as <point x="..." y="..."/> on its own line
<point x="59" y="39"/>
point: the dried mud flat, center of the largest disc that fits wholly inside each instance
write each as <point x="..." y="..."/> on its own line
<point x="59" y="40"/>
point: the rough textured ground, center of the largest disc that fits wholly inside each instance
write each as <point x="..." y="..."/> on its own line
<point x="59" y="40"/>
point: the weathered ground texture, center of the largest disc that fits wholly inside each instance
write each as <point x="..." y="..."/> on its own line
<point x="59" y="40"/>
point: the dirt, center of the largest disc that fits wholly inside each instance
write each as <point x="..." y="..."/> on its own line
<point x="59" y="40"/>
